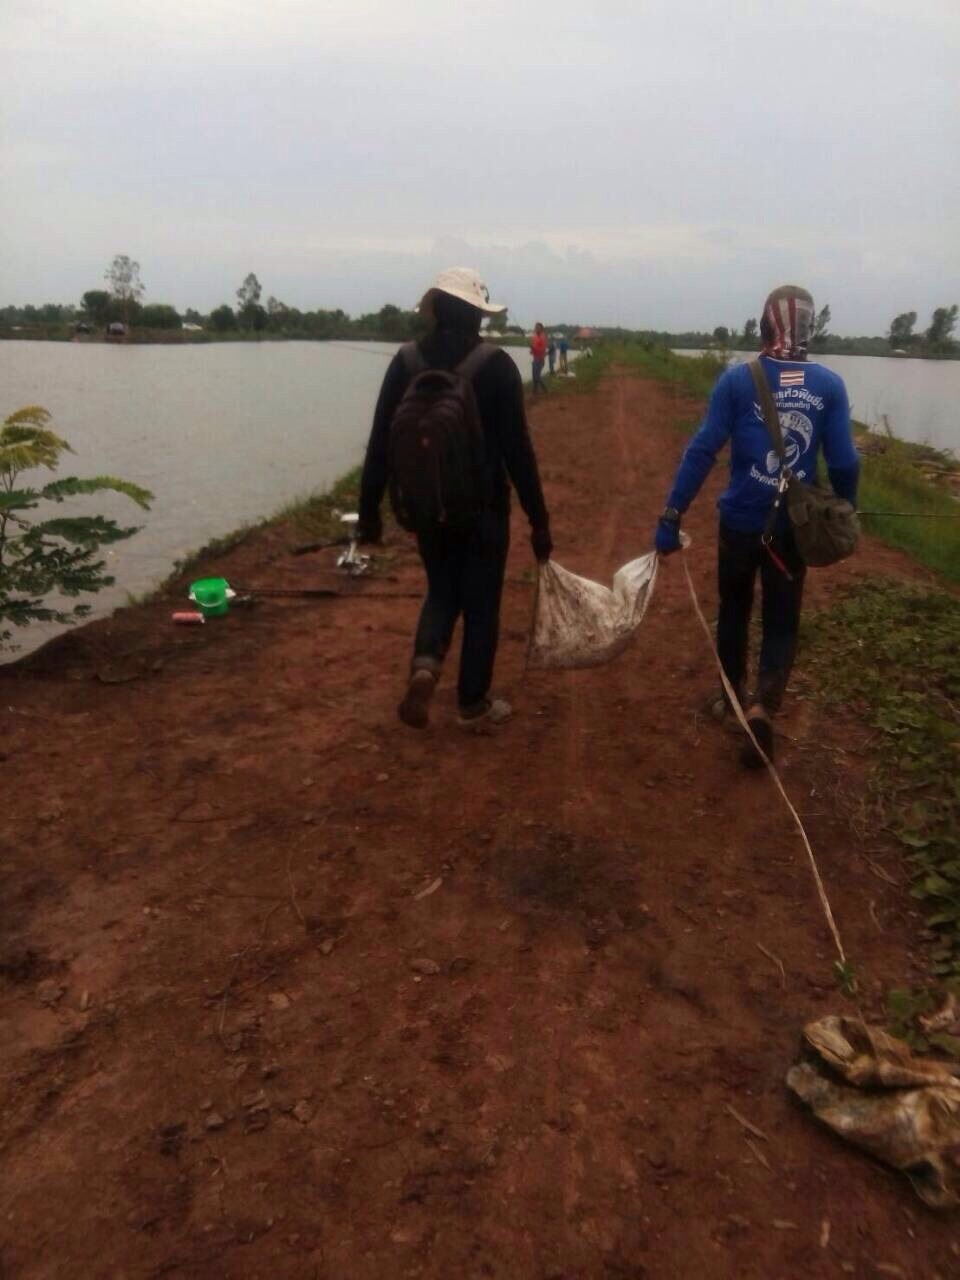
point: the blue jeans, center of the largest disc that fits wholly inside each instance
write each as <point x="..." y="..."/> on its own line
<point x="538" y="376"/>
<point x="464" y="576"/>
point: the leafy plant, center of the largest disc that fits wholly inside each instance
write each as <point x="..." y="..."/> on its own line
<point x="906" y="1009"/>
<point x="846" y="977"/>
<point x="40" y="557"/>
<point x="892" y="651"/>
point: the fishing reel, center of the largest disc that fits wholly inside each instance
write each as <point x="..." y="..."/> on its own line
<point x="352" y="561"/>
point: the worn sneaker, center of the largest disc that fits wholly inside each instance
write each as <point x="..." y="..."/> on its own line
<point x="490" y="711"/>
<point x="414" y="710"/>
<point x="720" y="712"/>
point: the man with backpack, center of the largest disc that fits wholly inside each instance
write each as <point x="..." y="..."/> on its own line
<point x="448" y="432"/>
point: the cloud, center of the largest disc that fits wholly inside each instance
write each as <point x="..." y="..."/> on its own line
<point x="657" y="164"/>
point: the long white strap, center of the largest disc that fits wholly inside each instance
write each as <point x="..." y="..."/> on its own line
<point x="738" y="711"/>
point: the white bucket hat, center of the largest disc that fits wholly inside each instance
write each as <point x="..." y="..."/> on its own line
<point x="463" y="283"/>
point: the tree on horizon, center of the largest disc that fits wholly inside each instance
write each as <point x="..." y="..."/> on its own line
<point x="901" y="333"/>
<point x="123" y="277"/>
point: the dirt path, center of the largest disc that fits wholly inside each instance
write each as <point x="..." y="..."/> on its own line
<point x="341" y="1000"/>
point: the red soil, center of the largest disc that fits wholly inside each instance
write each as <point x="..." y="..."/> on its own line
<point x="215" y="844"/>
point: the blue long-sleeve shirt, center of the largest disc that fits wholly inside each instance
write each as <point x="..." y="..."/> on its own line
<point x="814" y="414"/>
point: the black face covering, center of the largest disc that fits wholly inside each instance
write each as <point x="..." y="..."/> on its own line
<point x="456" y="330"/>
<point x="453" y="313"/>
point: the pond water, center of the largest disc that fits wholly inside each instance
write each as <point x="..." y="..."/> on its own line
<point x="222" y="434"/>
<point x="228" y="433"/>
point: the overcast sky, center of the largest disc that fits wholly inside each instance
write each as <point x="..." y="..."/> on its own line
<point x="656" y="163"/>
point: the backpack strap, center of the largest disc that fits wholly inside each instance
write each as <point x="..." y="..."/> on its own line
<point x="412" y="358"/>
<point x="475" y="359"/>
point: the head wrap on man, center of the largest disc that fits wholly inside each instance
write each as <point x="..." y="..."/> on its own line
<point x="786" y="325"/>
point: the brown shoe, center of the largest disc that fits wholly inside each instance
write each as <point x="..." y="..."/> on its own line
<point x="414" y="710"/>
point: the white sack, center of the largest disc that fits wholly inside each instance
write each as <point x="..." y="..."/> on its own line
<point x="579" y="623"/>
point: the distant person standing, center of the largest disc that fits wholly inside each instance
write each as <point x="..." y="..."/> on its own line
<point x="551" y="353"/>
<point x="564" y="347"/>
<point x="538" y="351"/>
<point x="814" y="414"/>
<point x="449" y="434"/>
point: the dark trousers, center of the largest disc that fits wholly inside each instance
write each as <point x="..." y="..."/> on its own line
<point x="538" y="384"/>
<point x="464" y="576"/>
<point x="741" y="555"/>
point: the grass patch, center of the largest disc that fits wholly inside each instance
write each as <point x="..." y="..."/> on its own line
<point x="898" y="476"/>
<point x="318" y="516"/>
<point x="894" y="657"/>
<point x="690" y="375"/>
<point x="906" y="1007"/>
<point x="315" y="518"/>
<point x="215" y="547"/>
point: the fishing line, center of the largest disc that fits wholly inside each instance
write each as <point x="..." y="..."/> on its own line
<point x="365" y="351"/>
<point x="738" y="710"/>
<point x="912" y="515"/>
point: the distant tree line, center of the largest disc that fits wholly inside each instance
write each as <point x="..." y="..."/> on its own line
<point x="936" y="341"/>
<point x="249" y="316"/>
<point x="121" y="304"/>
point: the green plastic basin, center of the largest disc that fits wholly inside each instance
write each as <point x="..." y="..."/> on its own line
<point x="210" y="596"/>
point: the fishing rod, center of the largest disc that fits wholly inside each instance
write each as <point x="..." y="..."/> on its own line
<point x="364" y="351"/>
<point x="912" y="515"/>
<point x="317" y="593"/>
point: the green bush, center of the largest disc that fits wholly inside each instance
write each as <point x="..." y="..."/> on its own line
<point x="56" y="555"/>
<point x="891" y="651"/>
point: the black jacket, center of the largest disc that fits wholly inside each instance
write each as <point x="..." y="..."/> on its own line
<point x="509" y="449"/>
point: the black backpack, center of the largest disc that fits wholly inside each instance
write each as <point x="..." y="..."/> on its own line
<point x="436" y="446"/>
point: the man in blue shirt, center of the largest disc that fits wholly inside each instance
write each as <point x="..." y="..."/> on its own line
<point x="563" y="346"/>
<point x="814" y="415"/>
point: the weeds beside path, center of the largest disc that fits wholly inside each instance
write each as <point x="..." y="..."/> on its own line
<point x="291" y="990"/>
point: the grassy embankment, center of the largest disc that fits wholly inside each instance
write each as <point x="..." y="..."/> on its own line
<point x="894" y="651"/>
<point x="315" y="518"/>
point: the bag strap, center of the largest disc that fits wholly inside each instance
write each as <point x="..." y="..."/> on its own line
<point x="474" y="360"/>
<point x="468" y="367"/>
<point x="772" y="420"/>
<point x="770" y="415"/>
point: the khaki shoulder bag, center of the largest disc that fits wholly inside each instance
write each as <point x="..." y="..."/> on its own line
<point x="825" y="527"/>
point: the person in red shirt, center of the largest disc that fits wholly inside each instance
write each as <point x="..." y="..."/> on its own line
<point x="538" y="350"/>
